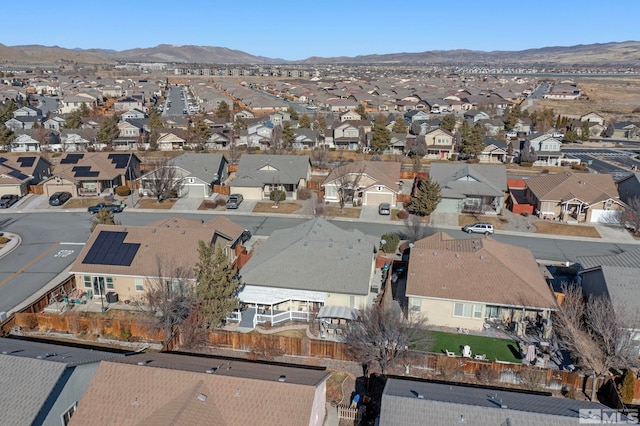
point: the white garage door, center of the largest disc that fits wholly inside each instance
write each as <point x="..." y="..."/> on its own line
<point x="375" y="198"/>
<point x="605" y="216"/>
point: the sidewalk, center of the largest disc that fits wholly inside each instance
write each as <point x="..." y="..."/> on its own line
<point x="14" y="242"/>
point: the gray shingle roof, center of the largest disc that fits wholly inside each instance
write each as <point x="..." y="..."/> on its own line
<point x="461" y="180"/>
<point x="203" y="166"/>
<point x="315" y="255"/>
<point x="627" y="259"/>
<point x="68" y="355"/>
<point x="454" y="404"/>
<point x="284" y="169"/>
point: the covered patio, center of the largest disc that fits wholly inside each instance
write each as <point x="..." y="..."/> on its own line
<point x="335" y="319"/>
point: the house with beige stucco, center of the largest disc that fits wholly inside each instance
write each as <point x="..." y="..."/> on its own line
<point x="128" y="260"/>
<point x="465" y="283"/>
<point x="366" y="183"/>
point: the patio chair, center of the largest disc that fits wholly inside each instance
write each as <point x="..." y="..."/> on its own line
<point x="481" y="357"/>
<point x="449" y="353"/>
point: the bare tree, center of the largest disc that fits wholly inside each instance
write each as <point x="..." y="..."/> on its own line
<point x="383" y="335"/>
<point x="319" y="155"/>
<point x="415" y="229"/>
<point x="594" y="331"/>
<point x="347" y="182"/>
<point x="170" y="294"/>
<point x="631" y="215"/>
<point x="164" y="181"/>
<point x="277" y="144"/>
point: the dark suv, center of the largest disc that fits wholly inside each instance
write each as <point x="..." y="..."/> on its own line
<point x="8" y="200"/>
<point x="59" y="198"/>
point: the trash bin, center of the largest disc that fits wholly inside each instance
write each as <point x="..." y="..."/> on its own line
<point x="112" y="297"/>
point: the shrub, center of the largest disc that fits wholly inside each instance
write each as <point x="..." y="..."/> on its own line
<point x="525" y="214"/>
<point x="473" y="160"/>
<point x="391" y="242"/>
<point x="277" y="195"/>
<point x="626" y="388"/>
<point x="304" y="193"/>
<point x="220" y="202"/>
<point x="123" y="191"/>
<point x="403" y="214"/>
<point x="580" y="167"/>
<point x="526" y="164"/>
<point x="4" y="240"/>
<point x="91" y="149"/>
<point x="486" y="374"/>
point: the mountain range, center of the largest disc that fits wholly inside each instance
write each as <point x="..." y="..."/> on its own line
<point x="615" y="53"/>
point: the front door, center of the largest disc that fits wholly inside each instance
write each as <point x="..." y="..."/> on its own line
<point x="98" y="286"/>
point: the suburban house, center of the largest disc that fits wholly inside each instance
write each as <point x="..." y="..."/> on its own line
<point x="367" y="183"/>
<point x="75" y="140"/>
<point x="128" y="260"/>
<point x="410" y="402"/>
<point x="258" y="175"/>
<point x="305" y="138"/>
<point x="575" y="197"/>
<point x="467" y="282"/>
<point x="197" y="173"/>
<point x="474" y="188"/>
<point x="626" y="130"/>
<point x="346" y="136"/>
<point x="25" y="143"/>
<point x="71" y="103"/>
<point x="178" y="389"/>
<point x="593" y="117"/>
<point x="616" y="277"/>
<point x="43" y="382"/>
<point x="297" y="271"/>
<point x="493" y="154"/>
<point x="547" y="149"/>
<point x="128" y="103"/>
<point x="17" y="173"/>
<point x="170" y="141"/>
<point x="92" y="173"/>
<point x="54" y="123"/>
<point x="439" y="144"/>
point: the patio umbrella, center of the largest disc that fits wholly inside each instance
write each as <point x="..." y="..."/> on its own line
<point x="531" y="354"/>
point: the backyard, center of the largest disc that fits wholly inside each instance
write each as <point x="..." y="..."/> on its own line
<point x="493" y="348"/>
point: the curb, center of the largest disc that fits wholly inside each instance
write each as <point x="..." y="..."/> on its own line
<point x="15" y="242"/>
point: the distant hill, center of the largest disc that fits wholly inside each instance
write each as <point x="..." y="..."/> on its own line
<point x="592" y="54"/>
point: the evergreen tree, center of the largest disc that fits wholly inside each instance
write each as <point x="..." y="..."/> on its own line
<point x="288" y="135"/>
<point x="6" y="136"/>
<point x="199" y="132"/>
<point x="570" y="136"/>
<point x="304" y="122"/>
<point x="104" y="217"/>
<point x="8" y="108"/>
<point x="465" y="130"/>
<point x="217" y="284"/>
<point x="154" y="122"/>
<point x="223" y="110"/>
<point x="627" y="387"/>
<point x="426" y="198"/>
<point x="84" y="110"/>
<point x="73" y="120"/>
<point x="448" y="122"/>
<point x="584" y="133"/>
<point x="608" y="131"/>
<point x="400" y="126"/>
<point x="108" y="130"/>
<point x="362" y="112"/>
<point x="293" y="113"/>
<point x="381" y="135"/>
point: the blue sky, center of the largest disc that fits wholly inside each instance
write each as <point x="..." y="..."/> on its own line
<point x="300" y="29"/>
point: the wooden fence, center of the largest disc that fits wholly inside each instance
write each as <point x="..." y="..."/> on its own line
<point x="232" y="168"/>
<point x="222" y="190"/>
<point x="36" y="189"/>
<point x="315" y="186"/>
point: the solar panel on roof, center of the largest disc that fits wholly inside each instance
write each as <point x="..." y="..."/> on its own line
<point x="26" y="161"/>
<point x="86" y="173"/>
<point x="18" y="174"/>
<point x="71" y="159"/>
<point x="2" y="159"/>
<point x="109" y="248"/>
<point x="120" y="160"/>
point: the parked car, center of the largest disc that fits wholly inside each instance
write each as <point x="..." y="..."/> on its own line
<point x="8" y="200"/>
<point x="384" y="209"/>
<point x="479" y="227"/>
<point x="116" y="208"/>
<point x="234" y="201"/>
<point x="59" y="198"/>
<point x="246" y="235"/>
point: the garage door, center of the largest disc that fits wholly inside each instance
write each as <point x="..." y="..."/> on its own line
<point x="605" y="216"/>
<point x="52" y="189"/>
<point x="194" y="190"/>
<point x="375" y="198"/>
<point x="11" y="190"/>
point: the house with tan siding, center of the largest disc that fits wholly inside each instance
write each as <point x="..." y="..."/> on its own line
<point x="463" y="283"/>
<point x="128" y="260"/>
<point x="371" y="182"/>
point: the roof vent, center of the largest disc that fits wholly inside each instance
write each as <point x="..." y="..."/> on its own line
<point x="153" y="231"/>
<point x="330" y="244"/>
<point x="202" y="397"/>
<point x="481" y="257"/>
<point x="237" y="392"/>
<point x="457" y="255"/>
<point x="435" y="253"/>
<point x="144" y="362"/>
<point x="211" y="370"/>
<point x="420" y="396"/>
<point x="282" y="378"/>
<point x="47" y="355"/>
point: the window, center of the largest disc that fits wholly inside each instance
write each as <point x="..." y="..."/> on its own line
<point x="66" y="416"/>
<point x="87" y="281"/>
<point x="109" y="283"/>
<point x="415" y="305"/>
<point x="492" y="311"/>
<point x="467" y="310"/>
<point x="139" y="284"/>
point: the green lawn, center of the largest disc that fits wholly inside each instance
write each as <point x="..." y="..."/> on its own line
<point x="500" y="349"/>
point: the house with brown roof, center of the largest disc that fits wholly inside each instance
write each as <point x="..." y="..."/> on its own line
<point x="184" y="390"/>
<point x="575" y="197"/>
<point x="370" y="182"/>
<point x="92" y="173"/>
<point x="465" y="282"/>
<point x="17" y="173"/>
<point x="128" y="259"/>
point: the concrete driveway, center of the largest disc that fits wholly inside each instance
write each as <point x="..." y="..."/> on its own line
<point x="371" y="213"/>
<point x="188" y="203"/>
